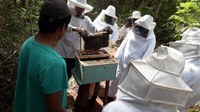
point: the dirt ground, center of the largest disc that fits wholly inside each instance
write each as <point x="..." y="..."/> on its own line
<point x="72" y="94"/>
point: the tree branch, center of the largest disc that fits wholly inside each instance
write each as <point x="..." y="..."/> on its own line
<point x="8" y="86"/>
<point x="8" y="57"/>
<point x="158" y="10"/>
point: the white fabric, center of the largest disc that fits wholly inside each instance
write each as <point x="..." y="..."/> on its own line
<point x="134" y="47"/>
<point x="99" y="24"/>
<point x="191" y="76"/>
<point x="157" y="78"/>
<point x="70" y="43"/>
<point x="189" y="50"/>
<point x="136" y="14"/>
<point x="79" y="3"/>
<point x="113" y="89"/>
<point x="111" y="11"/>
<point x="147" y="22"/>
<point x="189" y="45"/>
<point x="123" y="31"/>
<point x="191" y="34"/>
<point x="125" y="103"/>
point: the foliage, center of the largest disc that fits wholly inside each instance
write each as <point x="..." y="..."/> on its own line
<point x="186" y="16"/>
<point x="16" y="24"/>
<point x="160" y="10"/>
<point x="18" y="21"/>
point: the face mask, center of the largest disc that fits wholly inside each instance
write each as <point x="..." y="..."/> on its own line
<point x="109" y="20"/>
<point x="141" y="31"/>
<point x="79" y="11"/>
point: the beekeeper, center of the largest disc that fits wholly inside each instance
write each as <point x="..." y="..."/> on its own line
<point x="153" y="84"/>
<point x="70" y="43"/>
<point x="108" y="18"/>
<point x="138" y="44"/>
<point x="189" y="45"/>
<point x="123" y="31"/>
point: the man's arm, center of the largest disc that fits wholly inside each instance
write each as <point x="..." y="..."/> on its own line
<point x="54" y="102"/>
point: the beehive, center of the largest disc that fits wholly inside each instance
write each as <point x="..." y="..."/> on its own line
<point x="97" y="40"/>
<point x="90" y="68"/>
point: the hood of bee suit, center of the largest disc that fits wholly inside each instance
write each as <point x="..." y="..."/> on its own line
<point x="99" y="24"/>
<point x="136" y="47"/>
<point x="79" y="3"/>
<point x="136" y="15"/>
<point x="189" y="45"/>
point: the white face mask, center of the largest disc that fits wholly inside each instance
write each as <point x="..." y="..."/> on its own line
<point x="108" y="19"/>
<point x="143" y="32"/>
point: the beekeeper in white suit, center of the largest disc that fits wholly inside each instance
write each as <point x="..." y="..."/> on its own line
<point x="138" y="44"/>
<point x="108" y="18"/>
<point x="127" y="26"/>
<point x="152" y="84"/>
<point x="123" y="31"/>
<point x="70" y="43"/>
<point x="189" y="45"/>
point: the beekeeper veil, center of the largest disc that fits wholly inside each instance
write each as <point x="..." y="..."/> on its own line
<point x="144" y="27"/>
<point x="108" y="18"/>
<point x="189" y="45"/>
<point x="135" y="46"/>
<point x="79" y="3"/>
<point x="153" y="79"/>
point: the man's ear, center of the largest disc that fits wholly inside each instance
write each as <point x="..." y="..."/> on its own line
<point x="63" y="28"/>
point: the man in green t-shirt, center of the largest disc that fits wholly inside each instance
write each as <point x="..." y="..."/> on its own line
<point x="42" y="77"/>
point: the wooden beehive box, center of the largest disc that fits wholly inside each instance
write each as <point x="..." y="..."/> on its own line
<point x="90" y="68"/>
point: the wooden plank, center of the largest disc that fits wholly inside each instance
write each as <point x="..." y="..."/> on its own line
<point x="90" y="54"/>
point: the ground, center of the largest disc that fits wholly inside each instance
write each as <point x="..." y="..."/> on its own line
<point x="72" y="94"/>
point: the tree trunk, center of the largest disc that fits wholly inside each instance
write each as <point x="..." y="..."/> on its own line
<point x="158" y="10"/>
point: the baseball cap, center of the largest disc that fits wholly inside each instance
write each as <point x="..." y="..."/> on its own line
<point x="54" y="10"/>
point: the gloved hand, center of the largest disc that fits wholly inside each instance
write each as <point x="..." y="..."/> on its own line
<point x="107" y="29"/>
<point x="129" y="23"/>
<point x="82" y="32"/>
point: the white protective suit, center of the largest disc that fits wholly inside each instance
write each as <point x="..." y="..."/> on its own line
<point x="189" y="45"/>
<point x="152" y="84"/>
<point x="70" y="43"/>
<point x="99" y="24"/>
<point x="126" y="103"/>
<point x="134" y="47"/>
<point x="123" y="31"/>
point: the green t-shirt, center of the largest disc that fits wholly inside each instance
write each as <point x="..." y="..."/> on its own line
<point x="41" y="71"/>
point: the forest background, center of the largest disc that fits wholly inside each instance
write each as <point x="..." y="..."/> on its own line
<point x="18" y="21"/>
